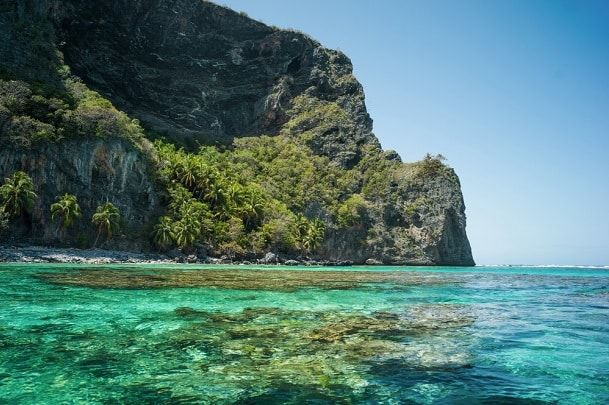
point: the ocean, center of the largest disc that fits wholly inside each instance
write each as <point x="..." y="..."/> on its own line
<point x="267" y="334"/>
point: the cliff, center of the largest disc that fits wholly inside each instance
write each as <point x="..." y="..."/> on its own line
<point x="96" y="170"/>
<point x="196" y="74"/>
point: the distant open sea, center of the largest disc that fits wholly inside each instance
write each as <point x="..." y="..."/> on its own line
<point x="254" y="334"/>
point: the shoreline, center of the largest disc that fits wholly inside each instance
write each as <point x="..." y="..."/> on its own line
<point x="43" y="254"/>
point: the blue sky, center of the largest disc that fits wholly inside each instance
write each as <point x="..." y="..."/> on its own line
<point x="515" y="93"/>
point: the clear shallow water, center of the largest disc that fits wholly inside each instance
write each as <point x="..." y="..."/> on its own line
<point x="156" y="334"/>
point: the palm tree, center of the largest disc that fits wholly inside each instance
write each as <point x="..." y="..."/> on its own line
<point x="234" y="195"/>
<point x="215" y="192"/>
<point x="217" y="197"/>
<point x="17" y="194"/>
<point x="252" y="207"/>
<point x="314" y="235"/>
<point x="66" y="208"/>
<point x="179" y="197"/>
<point x="107" y="219"/>
<point x="301" y="227"/>
<point x="187" y="230"/>
<point x="163" y="234"/>
<point x="186" y="173"/>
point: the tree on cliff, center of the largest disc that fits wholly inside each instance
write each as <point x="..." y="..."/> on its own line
<point x="66" y="209"/>
<point x="187" y="230"/>
<point x="107" y="218"/>
<point x="308" y="235"/>
<point x="17" y="194"/>
<point x="164" y="235"/>
<point x="314" y="236"/>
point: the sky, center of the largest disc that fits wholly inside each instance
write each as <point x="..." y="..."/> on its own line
<point x="515" y="93"/>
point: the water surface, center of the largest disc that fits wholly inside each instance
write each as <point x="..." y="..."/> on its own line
<point x="197" y="334"/>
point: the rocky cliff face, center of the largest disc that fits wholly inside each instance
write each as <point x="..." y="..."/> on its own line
<point x="96" y="171"/>
<point x="420" y="221"/>
<point x="203" y="73"/>
<point x="199" y="73"/>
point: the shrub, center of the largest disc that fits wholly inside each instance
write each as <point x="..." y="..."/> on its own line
<point x="313" y="118"/>
<point x="352" y="212"/>
<point x="431" y="165"/>
<point x="14" y="95"/>
<point x="28" y="129"/>
<point x="30" y="114"/>
<point x="417" y="205"/>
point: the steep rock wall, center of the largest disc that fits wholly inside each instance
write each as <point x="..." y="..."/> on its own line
<point x="96" y="171"/>
<point x="422" y="222"/>
<point x="202" y="73"/>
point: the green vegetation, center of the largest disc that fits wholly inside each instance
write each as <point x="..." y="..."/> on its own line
<point x="352" y="212"/>
<point x="66" y="210"/>
<point x="377" y="174"/>
<point x="270" y="193"/>
<point x="249" y="198"/>
<point x="163" y="235"/>
<point x="313" y="118"/>
<point x="187" y="230"/>
<point x="107" y="220"/>
<point x="417" y="205"/>
<point x="431" y="165"/>
<point x="17" y="194"/>
<point x="29" y="114"/>
<point x="308" y="235"/>
<point x="289" y="171"/>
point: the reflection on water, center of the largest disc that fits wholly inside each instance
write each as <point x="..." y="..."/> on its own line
<point x="188" y="335"/>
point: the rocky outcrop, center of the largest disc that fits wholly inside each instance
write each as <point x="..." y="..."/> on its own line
<point x="420" y="222"/>
<point x="95" y="170"/>
<point x="202" y="73"/>
<point x="198" y="73"/>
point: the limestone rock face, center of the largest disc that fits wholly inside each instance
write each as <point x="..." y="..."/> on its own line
<point x="95" y="170"/>
<point x="201" y="73"/>
<point x="421" y="222"/>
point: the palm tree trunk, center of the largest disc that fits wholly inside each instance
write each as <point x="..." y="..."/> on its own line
<point x="97" y="238"/>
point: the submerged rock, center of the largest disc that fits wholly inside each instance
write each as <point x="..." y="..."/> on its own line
<point x="187" y="312"/>
<point x="438" y="316"/>
<point x="265" y="347"/>
<point x="241" y="279"/>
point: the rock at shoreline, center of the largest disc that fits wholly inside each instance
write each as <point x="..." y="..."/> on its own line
<point x="373" y="262"/>
<point x="269" y="258"/>
<point x="38" y="254"/>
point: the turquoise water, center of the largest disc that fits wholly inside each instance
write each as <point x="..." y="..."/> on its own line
<point x="188" y="334"/>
